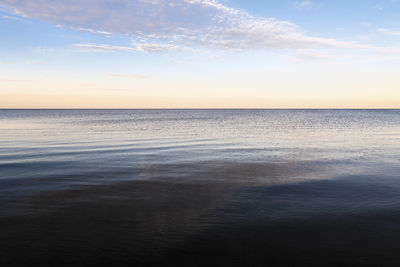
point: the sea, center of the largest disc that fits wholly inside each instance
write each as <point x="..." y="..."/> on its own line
<point x="196" y="187"/>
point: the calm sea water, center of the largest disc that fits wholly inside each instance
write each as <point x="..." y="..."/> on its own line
<point x="200" y="187"/>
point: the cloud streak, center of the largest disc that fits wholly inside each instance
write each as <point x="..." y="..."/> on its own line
<point x="389" y="32"/>
<point x="102" y="48"/>
<point x="13" y="81"/>
<point x="170" y="25"/>
<point x="133" y="76"/>
<point x="304" y="5"/>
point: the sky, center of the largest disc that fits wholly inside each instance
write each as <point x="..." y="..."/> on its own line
<point x="199" y="54"/>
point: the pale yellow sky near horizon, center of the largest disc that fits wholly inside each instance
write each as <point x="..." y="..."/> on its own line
<point x="281" y="88"/>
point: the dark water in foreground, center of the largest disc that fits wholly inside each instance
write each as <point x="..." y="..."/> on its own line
<point x="200" y="187"/>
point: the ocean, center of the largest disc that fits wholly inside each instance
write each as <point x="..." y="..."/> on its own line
<point x="200" y="187"/>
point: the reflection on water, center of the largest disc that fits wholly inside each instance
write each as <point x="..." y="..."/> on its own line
<point x="200" y="187"/>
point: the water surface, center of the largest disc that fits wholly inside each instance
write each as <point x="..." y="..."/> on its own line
<point x="200" y="187"/>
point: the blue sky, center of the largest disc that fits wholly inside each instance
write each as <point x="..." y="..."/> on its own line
<point x="199" y="53"/>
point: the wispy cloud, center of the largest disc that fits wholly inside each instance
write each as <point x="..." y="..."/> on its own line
<point x="378" y="7"/>
<point x="389" y="32"/>
<point x="365" y="24"/>
<point x="311" y="55"/>
<point x="104" y="33"/>
<point x="45" y="50"/>
<point x="13" y="80"/>
<point x="102" y="48"/>
<point x="304" y="5"/>
<point x="134" y="76"/>
<point x="154" y="47"/>
<point x="169" y="25"/>
<point x="9" y="17"/>
<point x="14" y="18"/>
<point x="91" y="31"/>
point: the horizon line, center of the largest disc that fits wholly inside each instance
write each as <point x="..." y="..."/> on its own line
<point x="330" y="108"/>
